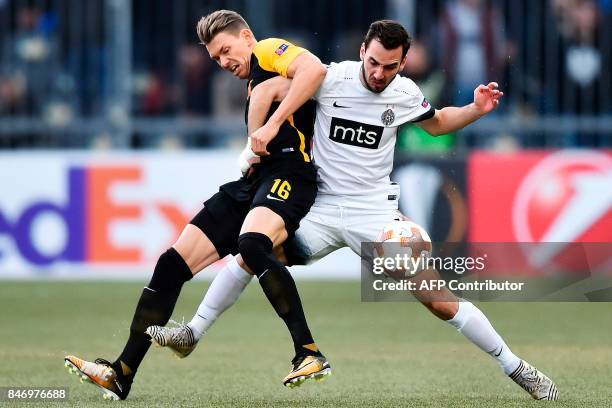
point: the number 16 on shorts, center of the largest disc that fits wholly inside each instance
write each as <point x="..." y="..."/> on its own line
<point x="280" y="188"/>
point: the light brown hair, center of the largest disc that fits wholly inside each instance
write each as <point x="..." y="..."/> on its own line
<point x="218" y="21"/>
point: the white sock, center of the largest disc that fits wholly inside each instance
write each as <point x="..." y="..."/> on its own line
<point x="223" y="292"/>
<point x="474" y="325"/>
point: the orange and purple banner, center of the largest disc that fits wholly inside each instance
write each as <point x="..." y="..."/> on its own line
<point x="63" y="211"/>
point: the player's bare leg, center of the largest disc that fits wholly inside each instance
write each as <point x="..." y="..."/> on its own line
<point x="475" y="326"/>
<point x="195" y="248"/>
<point x="192" y="252"/>
<point x="262" y="230"/>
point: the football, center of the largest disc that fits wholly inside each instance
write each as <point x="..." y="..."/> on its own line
<point x="408" y="241"/>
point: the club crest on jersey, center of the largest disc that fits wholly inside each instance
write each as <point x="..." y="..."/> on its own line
<point x="282" y="49"/>
<point x="388" y="117"/>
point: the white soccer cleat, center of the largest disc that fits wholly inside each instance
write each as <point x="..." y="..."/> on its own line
<point x="179" y="339"/>
<point x="538" y="385"/>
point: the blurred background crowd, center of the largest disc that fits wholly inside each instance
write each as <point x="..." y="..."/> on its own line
<point x="131" y="74"/>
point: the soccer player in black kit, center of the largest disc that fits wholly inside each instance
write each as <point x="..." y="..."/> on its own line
<point x="249" y="216"/>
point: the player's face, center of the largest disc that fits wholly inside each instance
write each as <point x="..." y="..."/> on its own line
<point x="380" y="65"/>
<point x="233" y="52"/>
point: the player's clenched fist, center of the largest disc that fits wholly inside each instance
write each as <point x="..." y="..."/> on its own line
<point x="487" y="97"/>
<point x="261" y="137"/>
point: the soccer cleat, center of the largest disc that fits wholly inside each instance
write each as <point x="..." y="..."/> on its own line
<point x="538" y="385"/>
<point x="305" y="367"/>
<point x="101" y="374"/>
<point x="179" y="339"/>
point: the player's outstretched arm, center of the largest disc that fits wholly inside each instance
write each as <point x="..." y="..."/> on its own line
<point x="307" y="73"/>
<point x="450" y="119"/>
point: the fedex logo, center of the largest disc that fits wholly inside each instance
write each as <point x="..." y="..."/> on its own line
<point x="87" y="216"/>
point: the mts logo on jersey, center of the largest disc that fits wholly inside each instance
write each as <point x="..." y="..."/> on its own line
<point x="355" y="133"/>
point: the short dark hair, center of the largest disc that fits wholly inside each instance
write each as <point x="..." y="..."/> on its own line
<point x="391" y="34"/>
<point x="221" y="20"/>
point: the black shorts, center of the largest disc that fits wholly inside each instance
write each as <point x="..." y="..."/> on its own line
<point x="287" y="187"/>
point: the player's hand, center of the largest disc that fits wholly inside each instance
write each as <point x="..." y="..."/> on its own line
<point x="487" y="97"/>
<point x="261" y="137"/>
<point x="252" y="161"/>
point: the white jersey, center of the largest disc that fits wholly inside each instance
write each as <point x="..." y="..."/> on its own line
<point x="355" y="134"/>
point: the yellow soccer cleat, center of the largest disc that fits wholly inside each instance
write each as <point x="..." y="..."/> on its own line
<point x="306" y="367"/>
<point x="101" y="374"/>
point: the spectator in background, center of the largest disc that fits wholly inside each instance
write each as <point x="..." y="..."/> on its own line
<point x="418" y="68"/>
<point x="194" y="92"/>
<point x="229" y="96"/>
<point x="582" y="65"/>
<point x="472" y="47"/>
<point x="579" y="25"/>
<point x="12" y="94"/>
<point x="155" y="95"/>
<point x="31" y="56"/>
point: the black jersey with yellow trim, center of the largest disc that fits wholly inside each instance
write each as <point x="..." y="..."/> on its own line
<point x="272" y="57"/>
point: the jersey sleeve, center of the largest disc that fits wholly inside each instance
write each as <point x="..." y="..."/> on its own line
<point x="416" y="108"/>
<point x="276" y="54"/>
<point x="428" y="111"/>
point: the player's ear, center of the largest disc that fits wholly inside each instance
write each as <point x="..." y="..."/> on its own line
<point x="247" y="36"/>
<point x="362" y="51"/>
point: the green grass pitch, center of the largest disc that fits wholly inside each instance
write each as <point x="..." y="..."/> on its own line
<point x="382" y="354"/>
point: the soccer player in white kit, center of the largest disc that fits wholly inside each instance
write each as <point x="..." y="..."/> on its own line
<point x="360" y="106"/>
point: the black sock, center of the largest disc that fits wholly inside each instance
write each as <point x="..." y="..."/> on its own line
<point x="155" y="307"/>
<point x="279" y="287"/>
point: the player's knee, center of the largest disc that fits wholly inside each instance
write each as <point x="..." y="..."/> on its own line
<point x="279" y="253"/>
<point x="171" y="271"/>
<point x="255" y="249"/>
<point x="442" y="310"/>
<point x="243" y="265"/>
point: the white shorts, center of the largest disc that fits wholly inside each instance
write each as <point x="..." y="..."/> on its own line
<point x="328" y="227"/>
